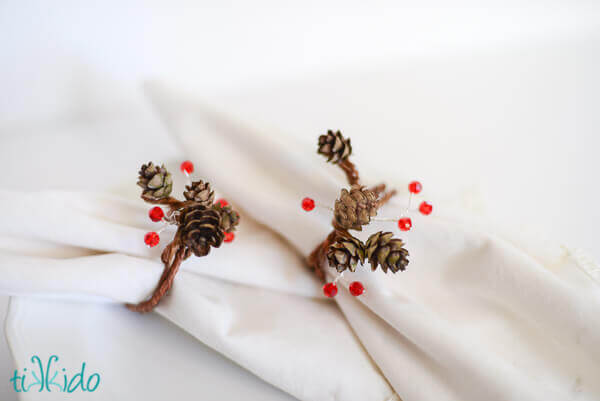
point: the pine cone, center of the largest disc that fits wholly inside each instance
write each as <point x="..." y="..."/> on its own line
<point x="229" y="217"/>
<point x="200" y="192"/>
<point x="346" y="253"/>
<point x="354" y="209"/>
<point x="334" y="146"/>
<point x="200" y="229"/>
<point x="382" y="249"/>
<point x="155" y="181"/>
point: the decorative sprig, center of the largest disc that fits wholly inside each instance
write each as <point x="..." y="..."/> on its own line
<point x="354" y="209"/>
<point x="201" y="223"/>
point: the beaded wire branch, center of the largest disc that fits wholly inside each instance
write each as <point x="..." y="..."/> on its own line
<point x="354" y="209"/>
<point x="201" y="223"/>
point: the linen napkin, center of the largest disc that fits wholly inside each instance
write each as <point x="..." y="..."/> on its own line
<point x="252" y="302"/>
<point x="70" y="258"/>
<point x="475" y="316"/>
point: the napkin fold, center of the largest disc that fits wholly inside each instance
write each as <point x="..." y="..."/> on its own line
<point x="475" y="316"/>
<point x="252" y="300"/>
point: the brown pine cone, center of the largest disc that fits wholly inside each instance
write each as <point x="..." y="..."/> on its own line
<point x="334" y="146"/>
<point x="156" y="182"/>
<point x="346" y="253"/>
<point x="382" y="249"/>
<point x="200" y="192"/>
<point x="200" y="229"/>
<point x="355" y="208"/>
<point x="229" y="217"/>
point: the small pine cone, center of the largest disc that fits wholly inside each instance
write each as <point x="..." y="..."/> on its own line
<point x="346" y="253"/>
<point x="229" y="217"/>
<point x="382" y="249"/>
<point x="200" y="229"/>
<point x="156" y="182"/>
<point x="334" y="146"/>
<point x="355" y="208"/>
<point x="200" y="192"/>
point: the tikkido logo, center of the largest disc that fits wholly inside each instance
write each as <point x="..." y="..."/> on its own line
<point x="47" y="378"/>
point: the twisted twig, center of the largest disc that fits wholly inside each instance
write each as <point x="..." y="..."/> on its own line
<point x="385" y="198"/>
<point x="164" y="284"/>
<point x="317" y="256"/>
<point x="351" y="173"/>
<point x="173" y="203"/>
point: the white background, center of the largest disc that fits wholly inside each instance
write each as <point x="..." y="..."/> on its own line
<point x="493" y="104"/>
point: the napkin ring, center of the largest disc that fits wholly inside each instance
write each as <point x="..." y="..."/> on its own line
<point x="201" y="223"/>
<point x="353" y="210"/>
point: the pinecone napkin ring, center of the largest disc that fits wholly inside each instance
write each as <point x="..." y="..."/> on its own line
<point x="353" y="210"/>
<point x="201" y="223"/>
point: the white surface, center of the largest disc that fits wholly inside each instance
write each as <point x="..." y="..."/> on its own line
<point x="51" y="48"/>
<point x="479" y="80"/>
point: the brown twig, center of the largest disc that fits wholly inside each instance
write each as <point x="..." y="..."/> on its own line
<point x="166" y="280"/>
<point x="385" y="198"/>
<point x="351" y="173"/>
<point x="377" y="189"/>
<point x="173" y="203"/>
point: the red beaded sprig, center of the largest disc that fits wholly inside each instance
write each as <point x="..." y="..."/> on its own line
<point x="353" y="210"/>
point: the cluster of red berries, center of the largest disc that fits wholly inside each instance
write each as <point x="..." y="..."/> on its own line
<point x="156" y="214"/>
<point x="356" y="288"/>
<point x="404" y="223"/>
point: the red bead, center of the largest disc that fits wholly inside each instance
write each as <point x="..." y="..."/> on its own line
<point x="356" y="288"/>
<point x="405" y="223"/>
<point x="222" y="202"/>
<point x="415" y="187"/>
<point x="308" y="204"/>
<point x="151" y="239"/>
<point x="330" y="290"/>
<point x="187" y="167"/>
<point x="156" y="214"/>
<point x="425" y="208"/>
<point x="229" y="237"/>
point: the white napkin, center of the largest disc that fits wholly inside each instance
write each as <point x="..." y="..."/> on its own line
<point x="252" y="300"/>
<point x="474" y="317"/>
<point x="66" y="257"/>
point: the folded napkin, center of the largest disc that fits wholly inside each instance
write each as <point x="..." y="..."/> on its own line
<point x="475" y="316"/>
<point x="252" y="301"/>
<point x="70" y="259"/>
